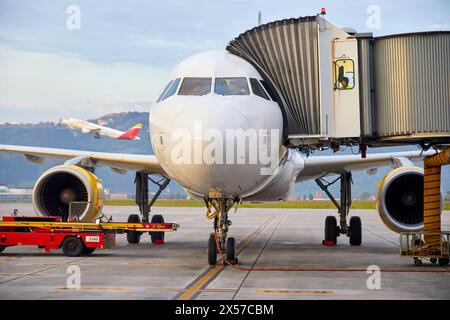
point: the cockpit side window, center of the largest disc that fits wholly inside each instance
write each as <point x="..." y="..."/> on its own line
<point x="257" y="89"/>
<point x="172" y="89"/>
<point x="164" y="91"/>
<point x="195" y="86"/>
<point x="269" y="90"/>
<point x="231" y="86"/>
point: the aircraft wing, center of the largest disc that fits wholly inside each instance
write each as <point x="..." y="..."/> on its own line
<point x="321" y="166"/>
<point x="117" y="161"/>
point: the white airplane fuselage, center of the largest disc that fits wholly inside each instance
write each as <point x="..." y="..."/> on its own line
<point x="197" y="123"/>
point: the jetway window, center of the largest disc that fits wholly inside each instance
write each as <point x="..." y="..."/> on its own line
<point x="172" y="89"/>
<point x="195" y="86"/>
<point x="231" y="86"/>
<point x="345" y="74"/>
<point x="258" y="89"/>
<point x="164" y="91"/>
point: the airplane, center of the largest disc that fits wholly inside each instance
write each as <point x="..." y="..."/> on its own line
<point x="98" y="130"/>
<point x="219" y="92"/>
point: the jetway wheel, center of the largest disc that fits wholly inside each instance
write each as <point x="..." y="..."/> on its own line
<point x="133" y="236"/>
<point x="231" y="250"/>
<point x="355" y="231"/>
<point x="212" y="250"/>
<point x="331" y="229"/>
<point x="73" y="247"/>
<point x="157" y="237"/>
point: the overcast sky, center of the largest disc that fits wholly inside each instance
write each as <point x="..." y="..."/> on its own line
<point x="120" y="56"/>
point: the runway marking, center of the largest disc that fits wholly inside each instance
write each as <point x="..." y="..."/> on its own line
<point x="214" y="272"/>
<point x="309" y="292"/>
<point x="94" y="289"/>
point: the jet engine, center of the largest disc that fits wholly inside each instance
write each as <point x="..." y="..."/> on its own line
<point x="400" y="199"/>
<point x="68" y="190"/>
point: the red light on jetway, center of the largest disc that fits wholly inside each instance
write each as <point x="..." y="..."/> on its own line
<point x="323" y="11"/>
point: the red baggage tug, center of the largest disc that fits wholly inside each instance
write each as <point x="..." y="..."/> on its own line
<point x="74" y="238"/>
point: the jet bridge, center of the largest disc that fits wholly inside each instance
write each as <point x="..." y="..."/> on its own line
<point x="338" y="88"/>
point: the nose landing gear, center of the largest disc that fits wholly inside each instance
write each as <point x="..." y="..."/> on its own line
<point x="218" y="239"/>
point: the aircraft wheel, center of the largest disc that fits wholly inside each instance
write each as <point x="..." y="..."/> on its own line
<point x="73" y="247"/>
<point x="157" y="237"/>
<point x="212" y="250"/>
<point x="133" y="236"/>
<point x="331" y="229"/>
<point x="231" y="250"/>
<point x="443" y="261"/>
<point x="355" y="231"/>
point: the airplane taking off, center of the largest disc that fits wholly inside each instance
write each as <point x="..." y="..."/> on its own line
<point x="215" y="102"/>
<point x="98" y="130"/>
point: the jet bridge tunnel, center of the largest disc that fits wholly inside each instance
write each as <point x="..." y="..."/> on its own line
<point x="338" y="88"/>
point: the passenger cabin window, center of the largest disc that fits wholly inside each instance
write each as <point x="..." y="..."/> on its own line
<point x="195" y="86"/>
<point x="258" y="89"/>
<point x="172" y="89"/>
<point x="164" y="91"/>
<point x="269" y="90"/>
<point x="345" y="74"/>
<point x="231" y="86"/>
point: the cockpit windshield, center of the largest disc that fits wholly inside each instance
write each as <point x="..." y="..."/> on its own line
<point x="195" y="86"/>
<point x="231" y="86"/>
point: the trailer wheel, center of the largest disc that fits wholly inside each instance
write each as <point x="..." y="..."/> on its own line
<point x="157" y="237"/>
<point x="88" y="251"/>
<point x="133" y="236"/>
<point x="2" y="248"/>
<point x="443" y="261"/>
<point x="73" y="247"/>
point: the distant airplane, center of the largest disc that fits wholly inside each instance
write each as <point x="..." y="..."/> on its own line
<point x="98" y="130"/>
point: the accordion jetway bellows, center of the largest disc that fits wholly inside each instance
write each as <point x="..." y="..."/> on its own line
<point x="285" y="52"/>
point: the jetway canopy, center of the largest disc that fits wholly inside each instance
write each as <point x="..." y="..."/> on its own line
<point x="341" y="88"/>
<point x="285" y="52"/>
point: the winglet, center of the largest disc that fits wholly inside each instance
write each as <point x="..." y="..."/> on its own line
<point x="132" y="133"/>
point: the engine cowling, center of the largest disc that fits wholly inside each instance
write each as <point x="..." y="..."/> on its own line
<point x="400" y="199"/>
<point x="66" y="184"/>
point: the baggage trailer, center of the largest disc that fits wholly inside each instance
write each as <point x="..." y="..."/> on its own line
<point x="74" y="238"/>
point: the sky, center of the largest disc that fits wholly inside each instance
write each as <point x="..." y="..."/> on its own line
<point x="119" y="57"/>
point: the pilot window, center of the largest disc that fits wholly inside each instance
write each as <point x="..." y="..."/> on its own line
<point x="172" y="89"/>
<point x="164" y="91"/>
<point x="231" y="86"/>
<point x="269" y="90"/>
<point x="345" y="74"/>
<point x="195" y="86"/>
<point x="257" y="89"/>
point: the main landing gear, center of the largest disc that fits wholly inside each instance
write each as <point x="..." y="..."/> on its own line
<point x="141" y="182"/>
<point x="353" y="229"/>
<point x="218" y="239"/>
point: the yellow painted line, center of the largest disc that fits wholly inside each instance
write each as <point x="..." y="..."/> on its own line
<point x="197" y="286"/>
<point x="313" y="292"/>
<point x="94" y="289"/>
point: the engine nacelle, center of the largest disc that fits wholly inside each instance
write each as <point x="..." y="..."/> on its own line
<point x="66" y="185"/>
<point x="400" y="199"/>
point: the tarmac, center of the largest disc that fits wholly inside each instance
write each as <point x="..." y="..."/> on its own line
<point x="282" y="246"/>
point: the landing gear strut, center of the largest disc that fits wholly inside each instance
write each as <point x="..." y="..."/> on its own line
<point x="218" y="239"/>
<point x="354" y="229"/>
<point x="144" y="205"/>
